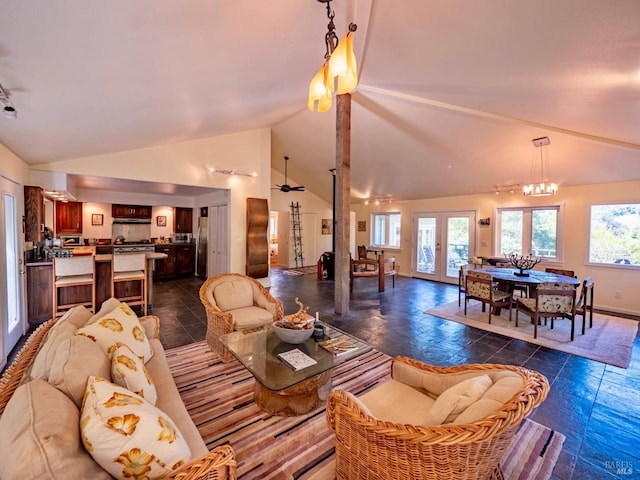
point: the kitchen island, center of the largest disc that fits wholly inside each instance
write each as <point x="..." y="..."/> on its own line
<point x="40" y="285"/>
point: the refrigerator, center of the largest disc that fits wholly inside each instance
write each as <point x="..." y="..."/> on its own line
<point x="201" y="244"/>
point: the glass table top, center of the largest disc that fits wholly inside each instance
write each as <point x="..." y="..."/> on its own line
<point x="258" y="352"/>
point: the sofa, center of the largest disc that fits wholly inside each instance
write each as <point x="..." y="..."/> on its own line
<point x="75" y="403"/>
<point x="235" y="302"/>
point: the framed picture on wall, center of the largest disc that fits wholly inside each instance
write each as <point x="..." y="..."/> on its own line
<point x="362" y="225"/>
<point x="326" y="226"/>
<point x="161" y="221"/>
<point x="97" y="219"/>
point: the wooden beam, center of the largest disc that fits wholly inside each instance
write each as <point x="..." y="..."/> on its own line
<point x="342" y="203"/>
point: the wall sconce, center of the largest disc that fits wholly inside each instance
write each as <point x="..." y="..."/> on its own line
<point x="484" y="222"/>
<point x="213" y="170"/>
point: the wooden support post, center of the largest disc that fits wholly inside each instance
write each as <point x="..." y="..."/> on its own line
<point x="342" y="203"/>
<point x="381" y="272"/>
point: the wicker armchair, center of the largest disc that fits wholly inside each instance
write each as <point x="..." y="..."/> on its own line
<point x="369" y="447"/>
<point x="236" y="302"/>
<point x="218" y="464"/>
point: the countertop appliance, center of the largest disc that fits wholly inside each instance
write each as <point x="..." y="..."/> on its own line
<point x="201" y="247"/>
<point x="182" y="238"/>
<point x="71" y="240"/>
<point x="133" y="247"/>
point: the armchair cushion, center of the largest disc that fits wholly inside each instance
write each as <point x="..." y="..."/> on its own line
<point x="456" y="399"/>
<point x="250" y="317"/>
<point x="382" y="402"/>
<point x="233" y="294"/>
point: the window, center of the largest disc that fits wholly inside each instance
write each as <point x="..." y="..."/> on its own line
<point x="530" y="231"/>
<point x="386" y="230"/>
<point x="614" y="234"/>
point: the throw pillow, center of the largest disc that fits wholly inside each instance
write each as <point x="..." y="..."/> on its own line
<point x="128" y="371"/>
<point x="76" y="359"/>
<point x="109" y="305"/>
<point x="119" y="326"/>
<point x="126" y="435"/>
<point x="39" y="437"/>
<point x="456" y="399"/>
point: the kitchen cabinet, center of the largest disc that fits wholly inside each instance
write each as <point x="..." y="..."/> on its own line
<point x="180" y="261"/>
<point x="39" y="293"/>
<point x="131" y="211"/>
<point x="183" y="220"/>
<point x="33" y="214"/>
<point x="68" y="217"/>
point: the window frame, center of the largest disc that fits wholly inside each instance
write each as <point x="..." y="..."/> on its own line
<point x="387" y="232"/>
<point x="527" y="233"/>
<point x="588" y="239"/>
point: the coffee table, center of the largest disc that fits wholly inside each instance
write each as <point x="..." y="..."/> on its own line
<point x="279" y="389"/>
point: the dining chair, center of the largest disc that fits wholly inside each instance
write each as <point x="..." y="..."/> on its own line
<point x="68" y="272"/>
<point x="561" y="271"/>
<point x="363" y="255"/>
<point x="585" y="302"/>
<point x="462" y="281"/>
<point x="520" y="287"/>
<point x="130" y="267"/>
<point x="479" y="286"/>
<point x="552" y="300"/>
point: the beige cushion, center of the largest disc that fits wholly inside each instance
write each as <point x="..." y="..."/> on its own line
<point x="128" y="371"/>
<point x="396" y="402"/>
<point x="151" y="325"/>
<point x="128" y="436"/>
<point x="250" y="317"/>
<point x="39" y="437"/>
<point x="456" y="399"/>
<point x="233" y="294"/>
<point x="169" y="400"/>
<point x="109" y="305"/>
<point x="75" y="360"/>
<point x="119" y="326"/>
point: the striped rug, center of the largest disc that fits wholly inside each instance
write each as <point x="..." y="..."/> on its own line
<point x="219" y="398"/>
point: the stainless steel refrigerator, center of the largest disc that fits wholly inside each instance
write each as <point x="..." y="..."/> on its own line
<point x="201" y="244"/>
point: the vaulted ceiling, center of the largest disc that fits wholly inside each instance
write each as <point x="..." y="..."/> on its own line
<point x="450" y="96"/>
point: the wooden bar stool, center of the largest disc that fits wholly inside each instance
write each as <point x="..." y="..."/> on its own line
<point x="70" y="272"/>
<point x="130" y="267"/>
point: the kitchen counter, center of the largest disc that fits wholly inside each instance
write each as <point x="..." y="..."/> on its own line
<point x="40" y="284"/>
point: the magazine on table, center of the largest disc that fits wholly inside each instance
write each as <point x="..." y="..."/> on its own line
<point x="338" y="346"/>
<point x="297" y="359"/>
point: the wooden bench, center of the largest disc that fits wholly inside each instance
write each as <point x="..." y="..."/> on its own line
<point x="361" y="268"/>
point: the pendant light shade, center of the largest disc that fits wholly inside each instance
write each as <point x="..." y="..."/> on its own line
<point x="342" y="65"/>
<point x="320" y="90"/>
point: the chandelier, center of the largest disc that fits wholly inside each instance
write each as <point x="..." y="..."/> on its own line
<point x="339" y="67"/>
<point x="540" y="185"/>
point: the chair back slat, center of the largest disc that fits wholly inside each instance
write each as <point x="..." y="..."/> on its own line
<point x="128" y="262"/>
<point x="71" y="266"/>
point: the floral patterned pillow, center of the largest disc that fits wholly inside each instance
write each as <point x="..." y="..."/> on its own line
<point x="128" y="371"/>
<point x="119" y="326"/>
<point x="127" y="436"/>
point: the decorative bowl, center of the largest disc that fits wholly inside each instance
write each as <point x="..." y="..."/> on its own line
<point x="292" y="335"/>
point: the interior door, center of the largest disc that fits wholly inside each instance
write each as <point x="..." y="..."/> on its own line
<point x="218" y="254"/>
<point x="443" y="242"/>
<point x="11" y="268"/>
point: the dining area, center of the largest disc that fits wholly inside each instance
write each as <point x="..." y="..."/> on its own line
<point x="544" y="296"/>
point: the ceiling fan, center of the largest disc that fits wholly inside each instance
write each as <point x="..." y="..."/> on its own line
<point x="285" y="187"/>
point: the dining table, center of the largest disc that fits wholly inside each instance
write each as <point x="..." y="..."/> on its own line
<point x="508" y="278"/>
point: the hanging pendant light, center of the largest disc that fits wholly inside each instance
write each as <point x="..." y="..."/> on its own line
<point x="540" y="185"/>
<point x="339" y="67"/>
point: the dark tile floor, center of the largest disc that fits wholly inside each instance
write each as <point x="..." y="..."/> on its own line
<point x="594" y="405"/>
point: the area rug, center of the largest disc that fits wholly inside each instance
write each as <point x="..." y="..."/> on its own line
<point x="609" y="341"/>
<point x="300" y="271"/>
<point x="219" y="398"/>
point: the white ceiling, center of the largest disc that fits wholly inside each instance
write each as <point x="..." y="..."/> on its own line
<point x="451" y="93"/>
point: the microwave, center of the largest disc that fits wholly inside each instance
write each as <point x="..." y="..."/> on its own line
<point x="71" y="240"/>
<point x="182" y="238"/>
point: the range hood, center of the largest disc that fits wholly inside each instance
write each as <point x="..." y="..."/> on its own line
<point x="128" y="221"/>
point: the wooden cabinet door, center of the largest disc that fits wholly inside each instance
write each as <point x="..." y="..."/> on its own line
<point x="183" y="220"/>
<point x="33" y="214"/>
<point x="185" y="259"/>
<point x="165" y="267"/>
<point x="142" y="211"/>
<point x="68" y="217"/>
<point x="39" y="293"/>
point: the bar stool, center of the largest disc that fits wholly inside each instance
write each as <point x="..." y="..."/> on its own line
<point x="72" y="272"/>
<point x="130" y="267"/>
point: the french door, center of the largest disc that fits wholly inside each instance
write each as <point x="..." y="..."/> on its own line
<point x="11" y="264"/>
<point x="442" y="242"/>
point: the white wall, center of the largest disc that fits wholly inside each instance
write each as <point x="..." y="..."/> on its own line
<point x="576" y="201"/>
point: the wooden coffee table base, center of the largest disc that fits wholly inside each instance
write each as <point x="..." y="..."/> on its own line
<point x="296" y="400"/>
